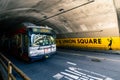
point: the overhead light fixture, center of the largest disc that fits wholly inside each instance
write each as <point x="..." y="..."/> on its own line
<point x="44" y="16"/>
<point x="61" y="9"/>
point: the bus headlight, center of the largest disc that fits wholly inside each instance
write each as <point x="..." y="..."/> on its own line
<point x="33" y="53"/>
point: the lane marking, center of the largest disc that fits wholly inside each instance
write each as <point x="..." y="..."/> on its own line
<point x="85" y="77"/>
<point x="75" y="73"/>
<point x="58" y="76"/>
<point x="68" y="78"/>
<point x="109" y="79"/>
<point x="74" y="69"/>
<point x="71" y="63"/>
<point x="96" y="78"/>
<point x="90" y="72"/>
<point x="72" y="72"/>
<point x="70" y="75"/>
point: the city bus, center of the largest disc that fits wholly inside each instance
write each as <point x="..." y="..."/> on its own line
<point x="32" y="42"/>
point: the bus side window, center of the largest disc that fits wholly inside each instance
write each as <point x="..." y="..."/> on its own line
<point x="18" y="40"/>
<point x="19" y="43"/>
<point x="14" y="41"/>
<point x="25" y="43"/>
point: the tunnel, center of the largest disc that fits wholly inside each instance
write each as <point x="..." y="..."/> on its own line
<point x="85" y="24"/>
<point x="80" y="40"/>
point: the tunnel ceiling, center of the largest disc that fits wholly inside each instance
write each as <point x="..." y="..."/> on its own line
<point x="64" y="16"/>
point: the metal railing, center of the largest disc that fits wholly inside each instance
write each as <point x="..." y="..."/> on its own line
<point x="9" y="67"/>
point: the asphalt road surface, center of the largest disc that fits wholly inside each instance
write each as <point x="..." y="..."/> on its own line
<point x="72" y="65"/>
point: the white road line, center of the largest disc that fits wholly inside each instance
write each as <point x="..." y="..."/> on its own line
<point x="71" y="63"/>
<point x="91" y="72"/>
<point x="109" y="78"/>
<point x="72" y="72"/>
<point x="68" y="78"/>
<point x="70" y="75"/>
<point x="83" y="78"/>
<point x="73" y="69"/>
<point x="58" y="76"/>
<point x="96" y="78"/>
<point x="91" y="79"/>
<point x="77" y="70"/>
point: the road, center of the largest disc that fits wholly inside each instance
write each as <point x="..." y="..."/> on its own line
<point x="73" y="65"/>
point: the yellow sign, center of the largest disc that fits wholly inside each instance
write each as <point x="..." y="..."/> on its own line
<point x="105" y="43"/>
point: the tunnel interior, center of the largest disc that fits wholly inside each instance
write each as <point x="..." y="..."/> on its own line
<point x="69" y="19"/>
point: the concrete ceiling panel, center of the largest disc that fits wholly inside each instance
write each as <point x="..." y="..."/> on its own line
<point x="65" y="16"/>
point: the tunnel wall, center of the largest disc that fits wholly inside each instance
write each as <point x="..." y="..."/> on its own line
<point x="103" y="43"/>
<point x="103" y="40"/>
<point x="102" y="33"/>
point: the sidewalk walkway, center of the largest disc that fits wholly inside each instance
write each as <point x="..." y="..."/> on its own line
<point x="92" y="50"/>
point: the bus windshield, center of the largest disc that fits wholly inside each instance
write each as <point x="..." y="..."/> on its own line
<point x="42" y="40"/>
